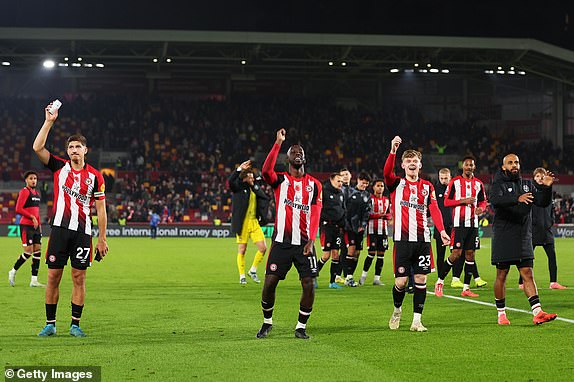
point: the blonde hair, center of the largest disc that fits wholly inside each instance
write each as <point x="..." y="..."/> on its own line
<point x="444" y="170"/>
<point x="412" y="153"/>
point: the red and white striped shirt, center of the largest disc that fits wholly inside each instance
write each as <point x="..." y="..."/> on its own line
<point x="74" y="194"/>
<point x="460" y="188"/>
<point x="411" y="202"/>
<point x="28" y="205"/>
<point x="378" y="216"/>
<point x="298" y="203"/>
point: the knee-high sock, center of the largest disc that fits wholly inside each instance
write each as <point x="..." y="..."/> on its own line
<point x="241" y="263"/>
<point x="379" y="264"/>
<point x="257" y="259"/>
<point x="368" y="262"/>
<point x="457" y="267"/>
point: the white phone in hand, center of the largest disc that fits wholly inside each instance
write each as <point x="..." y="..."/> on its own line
<point x="55" y="106"/>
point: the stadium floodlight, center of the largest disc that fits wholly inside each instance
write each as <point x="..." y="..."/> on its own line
<point x="500" y="72"/>
<point x="434" y="70"/>
<point x="243" y="62"/>
<point x="66" y="58"/>
<point x="76" y="64"/>
<point x="80" y="59"/>
<point x="331" y="63"/>
<point x="511" y="72"/>
<point x="429" y="65"/>
<point x="416" y="65"/>
<point x="49" y="64"/>
<point x="522" y="73"/>
<point x="499" y="68"/>
<point x="409" y="70"/>
<point x="155" y="60"/>
<point x="445" y="71"/>
<point x="512" y="68"/>
<point x="63" y="64"/>
<point x="343" y="63"/>
<point x="99" y="65"/>
<point x="88" y="65"/>
<point x="168" y="60"/>
<point x="489" y="71"/>
<point x="423" y="71"/>
<point x="5" y="63"/>
<point x="394" y="70"/>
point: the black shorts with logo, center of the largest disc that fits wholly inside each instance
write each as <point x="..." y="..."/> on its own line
<point x="413" y="255"/>
<point x="378" y="243"/>
<point x="282" y="256"/>
<point x="330" y="236"/>
<point x="30" y="235"/>
<point x="355" y="238"/>
<point x="465" y="238"/>
<point x="64" y="244"/>
<point x="525" y="263"/>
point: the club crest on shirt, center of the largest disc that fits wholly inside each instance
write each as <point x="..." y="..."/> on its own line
<point x="424" y="192"/>
<point x="88" y="181"/>
<point x="308" y="188"/>
<point x="525" y="188"/>
<point x="365" y="199"/>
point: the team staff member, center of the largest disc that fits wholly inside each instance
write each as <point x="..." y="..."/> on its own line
<point x="298" y="204"/>
<point x="249" y="212"/>
<point x="358" y="211"/>
<point x="542" y="222"/>
<point x="332" y="223"/>
<point x="512" y="199"/>
<point x="28" y="206"/>
<point x="77" y="185"/>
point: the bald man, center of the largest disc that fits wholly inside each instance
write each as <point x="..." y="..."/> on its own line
<point x="512" y="199"/>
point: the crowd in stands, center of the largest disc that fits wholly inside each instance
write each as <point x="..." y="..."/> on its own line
<point x="180" y="152"/>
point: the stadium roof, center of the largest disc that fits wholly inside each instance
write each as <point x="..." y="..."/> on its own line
<point x="275" y="55"/>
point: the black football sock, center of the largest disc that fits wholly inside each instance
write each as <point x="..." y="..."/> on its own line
<point x="379" y="265"/>
<point x="334" y="270"/>
<point x="267" y="312"/>
<point x="76" y="314"/>
<point x="21" y="260"/>
<point x="35" y="263"/>
<point x="368" y="262"/>
<point x="468" y="270"/>
<point x="51" y="313"/>
<point x="457" y="267"/>
<point x="419" y="297"/>
<point x="398" y="296"/>
<point x="304" y="314"/>
<point x="445" y="269"/>
<point x="320" y="265"/>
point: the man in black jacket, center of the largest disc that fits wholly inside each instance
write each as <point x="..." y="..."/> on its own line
<point x="332" y="223"/>
<point x="358" y="211"/>
<point x="542" y="222"/>
<point x="249" y="211"/>
<point x="512" y="199"/>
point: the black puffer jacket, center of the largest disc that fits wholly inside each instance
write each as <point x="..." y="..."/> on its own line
<point x="542" y="222"/>
<point x="358" y="210"/>
<point x="333" y="210"/>
<point x="240" y="201"/>
<point x="512" y="226"/>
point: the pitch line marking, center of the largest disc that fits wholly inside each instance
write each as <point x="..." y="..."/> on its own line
<point x="494" y="306"/>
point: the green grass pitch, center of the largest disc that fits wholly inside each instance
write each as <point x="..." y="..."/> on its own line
<point x="173" y="310"/>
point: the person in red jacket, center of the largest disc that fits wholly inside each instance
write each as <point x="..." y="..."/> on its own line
<point x="298" y="200"/>
<point x="28" y="207"/>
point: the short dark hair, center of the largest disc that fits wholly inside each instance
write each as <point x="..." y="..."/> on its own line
<point x="471" y="157"/>
<point x="343" y="169"/>
<point x="334" y="174"/>
<point x="77" y="138"/>
<point x="376" y="180"/>
<point x="28" y="173"/>
<point x="364" y="176"/>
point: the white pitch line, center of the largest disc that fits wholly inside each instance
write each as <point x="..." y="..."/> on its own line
<point x="494" y="306"/>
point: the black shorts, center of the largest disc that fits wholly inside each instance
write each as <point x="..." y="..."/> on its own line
<point x="526" y="263"/>
<point x="64" y="244"/>
<point x="282" y="256"/>
<point x="415" y="256"/>
<point x="30" y="235"/>
<point x="330" y="236"/>
<point x="354" y="238"/>
<point x="377" y="242"/>
<point x="465" y="238"/>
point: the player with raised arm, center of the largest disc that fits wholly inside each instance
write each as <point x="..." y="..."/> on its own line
<point x="298" y="200"/>
<point x="411" y="198"/>
<point x="28" y="206"/>
<point x="465" y="194"/>
<point x="76" y="186"/>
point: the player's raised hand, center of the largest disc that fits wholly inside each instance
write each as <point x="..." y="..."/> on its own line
<point x="50" y="117"/>
<point x="280" y="136"/>
<point x="395" y="143"/>
<point x="548" y="179"/>
<point x="245" y="165"/>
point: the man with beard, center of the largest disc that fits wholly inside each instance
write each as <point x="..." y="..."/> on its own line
<point x="512" y="199"/>
<point x="298" y="200"/>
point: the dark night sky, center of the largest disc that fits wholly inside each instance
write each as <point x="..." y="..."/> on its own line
<point x="543" y="20"/>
